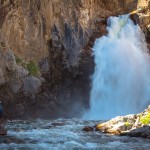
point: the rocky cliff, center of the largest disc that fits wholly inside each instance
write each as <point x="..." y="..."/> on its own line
<point x="143" y="12"/>
<point x="45" y="53"/>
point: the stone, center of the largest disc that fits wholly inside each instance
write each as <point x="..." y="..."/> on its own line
<point x="22" y="72"/>
<point x="57" y="124"/>
<point x="9" y="140"/>
<point x="10" y="60"/>
<point x="135" y="18"/>
<point x="148" y="27"/>
<point x="144" y="19"/>
<point x="127" y="125"/>
<point x="31" y="86"/>
<point x="114" y="131"/>
<point x="88" y="129"/>
<point x="140" y="132"/>
<point x="17" y="130"/>
<point x="44" y="66"/>
<point x="2" y="78"/>
<point x="3" y="131"/>
<point x="141" y="10"/>
<point x="16" y="86"/>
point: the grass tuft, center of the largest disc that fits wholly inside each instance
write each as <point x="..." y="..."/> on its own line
<point x="32" y="68"/>
<point x="145" y="119"/>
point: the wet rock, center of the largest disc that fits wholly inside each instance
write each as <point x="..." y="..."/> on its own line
<point x="135" y="18"/>
<point x="17" y="130"/>
<point x="10" y="139"/>
<point x="143" y="132"/>
<point x="88" y="129"/>
<point x="57" y="124"/>
<point x="48" y="127"/>
<point x="3" y="131"/>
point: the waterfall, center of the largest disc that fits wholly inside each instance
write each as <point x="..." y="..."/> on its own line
<point x="121" y="80"/>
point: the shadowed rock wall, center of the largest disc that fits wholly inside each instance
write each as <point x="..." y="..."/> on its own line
<point x="45" y="53"/>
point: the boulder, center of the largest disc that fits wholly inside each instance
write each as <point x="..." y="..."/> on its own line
<point x="3" y="131"/>
<point x="10" y="60"/>
<point x="114" y="131"/>
<point x="31" y="86"/>
<point x="143" y="132"/>
<point x="135" y="18"/>
<point x="88" y="129"/>
<point x="22" y="72"/>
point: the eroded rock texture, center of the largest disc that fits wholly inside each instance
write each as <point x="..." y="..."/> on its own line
<point x="45" y="53"/>
<point x="143" y="12"/>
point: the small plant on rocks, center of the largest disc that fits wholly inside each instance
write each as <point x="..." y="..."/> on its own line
<point x="145" y="119"/>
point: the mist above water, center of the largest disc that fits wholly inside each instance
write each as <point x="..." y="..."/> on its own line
<point x="121" y="80"/>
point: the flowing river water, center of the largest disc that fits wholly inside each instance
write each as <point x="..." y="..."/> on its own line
<point x="64" y="135"/>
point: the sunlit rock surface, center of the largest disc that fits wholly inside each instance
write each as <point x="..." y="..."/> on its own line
<point x="51" y="39"/>
<point x="136" y="125"/>
<point x="143" y="10"/>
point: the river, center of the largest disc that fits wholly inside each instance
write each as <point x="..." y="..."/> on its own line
<point x="64" y="134"/>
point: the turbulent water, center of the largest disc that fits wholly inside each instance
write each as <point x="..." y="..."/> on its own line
<point x="68" y="135"/>
<point x="121" y="81"/>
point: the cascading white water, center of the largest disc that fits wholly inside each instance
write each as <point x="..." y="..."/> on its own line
<point x="121" y="81"/>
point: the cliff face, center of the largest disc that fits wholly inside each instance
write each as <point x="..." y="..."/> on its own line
<point x="45" y="52"/>
<point x="143" y="12"/>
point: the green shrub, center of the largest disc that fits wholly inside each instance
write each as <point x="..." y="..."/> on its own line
<point x="32" y="68"/>
<point x="145" y="119"/>
<point x="127" y="124"/>
<point x="18" y="60"/>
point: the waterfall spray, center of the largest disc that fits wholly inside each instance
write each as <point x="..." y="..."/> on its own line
<point x="121" y="80"/>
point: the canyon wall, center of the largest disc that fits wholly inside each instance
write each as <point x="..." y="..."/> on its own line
<point x="143" y="12"/>
<point x="45" y="50"/>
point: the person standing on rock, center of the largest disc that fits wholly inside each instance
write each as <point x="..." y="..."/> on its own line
<point x="1" y="109"/>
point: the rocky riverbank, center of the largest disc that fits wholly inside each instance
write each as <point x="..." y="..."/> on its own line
<point x="134" y="125"/>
